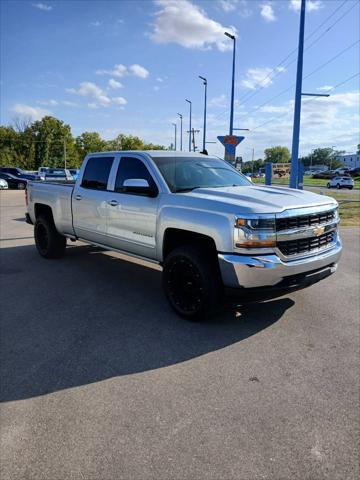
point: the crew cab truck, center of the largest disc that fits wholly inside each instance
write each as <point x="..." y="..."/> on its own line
<point x="207" y="225"/>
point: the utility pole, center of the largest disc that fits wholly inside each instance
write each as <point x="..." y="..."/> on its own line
<point x="252" y="161"/>
<point x="233" y="38"/>
<point x="192" y="136"/>
<point x="65" y="152"/>
<point x="204" y="129"/>
<point x="175" y="134"/>
<point x="181" y="117"/>
<point x="297" y="110"/>
<point x="190" y="103"/>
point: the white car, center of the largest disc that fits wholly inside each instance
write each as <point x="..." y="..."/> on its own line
<point x="3" y="184"/>
<point x="341" y="182"/>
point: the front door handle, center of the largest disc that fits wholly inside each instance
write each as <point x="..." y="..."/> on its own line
<point x="78" y="197"/>
<point x="113" y="203"/>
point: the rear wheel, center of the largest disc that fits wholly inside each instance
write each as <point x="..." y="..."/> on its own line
<point x="49" y="242"/>
<point x="191" y="282"/>
<point x="350" y="188"/>
<point x="338" y="186"/>
<point x="21" y="186"/>
<point x="328" y="185"/>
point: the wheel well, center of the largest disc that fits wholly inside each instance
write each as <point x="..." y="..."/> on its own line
<point x="175" y="237"/>
<point x="41" y="209"/>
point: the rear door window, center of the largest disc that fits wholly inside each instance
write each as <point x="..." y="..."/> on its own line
<point x="97" y="173"/>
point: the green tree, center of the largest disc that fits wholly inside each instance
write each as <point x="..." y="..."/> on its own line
<point x="358" y="149"/>
<point x="89" y="142"/>
<point x="323" y="156"/>
<point x="277" y="154"/>
<point x="51" y="138"/>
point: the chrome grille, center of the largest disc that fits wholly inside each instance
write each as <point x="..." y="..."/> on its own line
<point x="301" y="221"/>
<point x="306" y="245"/>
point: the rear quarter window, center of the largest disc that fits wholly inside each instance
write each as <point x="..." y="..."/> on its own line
<point x="97" y="173"/>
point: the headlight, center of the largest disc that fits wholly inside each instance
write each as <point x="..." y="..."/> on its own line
<point x="254" y="233"/>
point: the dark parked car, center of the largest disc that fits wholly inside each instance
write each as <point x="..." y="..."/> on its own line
<point x="14" y="182"/>
<point x="17" y="172"/>
<point x="355" y="172"/>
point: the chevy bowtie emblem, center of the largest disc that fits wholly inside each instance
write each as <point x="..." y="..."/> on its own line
<point x="319" y="231"/>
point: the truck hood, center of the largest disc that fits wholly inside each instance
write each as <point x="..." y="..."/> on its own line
<point x="261" y="199"/>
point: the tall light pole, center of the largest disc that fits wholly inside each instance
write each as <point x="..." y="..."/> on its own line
<point x="190" y="103"/>
<point x="233" y="38"/>
<point x="181" y="117"/>
<point x="332" y="148"/>
<point x="204" y="129"/>
<point x="297" y="109"/>
<point x="175" y="134"/>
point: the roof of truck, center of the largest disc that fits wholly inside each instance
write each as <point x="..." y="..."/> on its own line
<point x="154" y="153"/>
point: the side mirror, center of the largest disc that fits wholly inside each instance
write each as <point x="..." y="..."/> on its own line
<point x="139" y="186"/>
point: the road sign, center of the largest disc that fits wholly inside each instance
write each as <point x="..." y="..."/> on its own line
<point x="230" y="143"/>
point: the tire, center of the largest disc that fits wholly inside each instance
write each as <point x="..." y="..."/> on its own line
<point x="328" y="185"/>
<point x="338" y="186"/>
<point x="49" y="242"/>
<point x="21" y="186"/>
<point x="350" y="188"/>
<point x="191" y="282"/>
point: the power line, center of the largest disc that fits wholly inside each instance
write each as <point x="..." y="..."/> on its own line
<point x="277" y="69"/>
<point x="307" y="102"/>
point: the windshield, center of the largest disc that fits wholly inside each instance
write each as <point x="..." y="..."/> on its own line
<point x="184" y="174"/>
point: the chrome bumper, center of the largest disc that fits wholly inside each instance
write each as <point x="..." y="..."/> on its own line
<point x="245" y="271"/>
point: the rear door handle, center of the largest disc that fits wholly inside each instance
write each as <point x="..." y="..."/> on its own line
<point x="113" y="203"/>
<point x="78" y="197"/>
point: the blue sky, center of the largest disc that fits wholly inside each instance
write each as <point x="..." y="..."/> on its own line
<point x="127" y="67"/>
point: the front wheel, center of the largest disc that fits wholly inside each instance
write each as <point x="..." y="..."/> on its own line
<point x="338" y="186"/>
<point x="49" y="242"/>
<point x="191" y="282"/>
<point x="21" y="186"/>
<point x="328" y="185"/>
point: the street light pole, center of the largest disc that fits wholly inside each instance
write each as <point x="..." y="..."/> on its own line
<point x="233" y="38"/>
<point x="181" y="117"/>
<point x="175" y="134"/>
<point x="205" y="99"/>
<point x="332" y="148"/>
<point x="190" y="103"/>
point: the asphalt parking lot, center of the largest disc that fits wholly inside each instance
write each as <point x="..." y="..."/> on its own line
<point x="101" y="381"/>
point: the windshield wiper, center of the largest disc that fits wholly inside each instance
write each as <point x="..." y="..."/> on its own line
<point x="188" y="189"/>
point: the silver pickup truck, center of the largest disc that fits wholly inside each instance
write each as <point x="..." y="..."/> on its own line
<point x="208" y="226"/>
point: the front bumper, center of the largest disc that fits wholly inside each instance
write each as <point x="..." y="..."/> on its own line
<point x="257" y="271"/>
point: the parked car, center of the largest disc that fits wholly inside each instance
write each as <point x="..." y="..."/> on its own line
<point x="14" y="182"/>
<point x="56" y="174"/>
<point x="205" y="223"/>
<point x="341" y="171"/>
<point x="326" y="174"/>
<point x="355" y="172"/>
<point x="3" y="184"/>
<point x="341" y="182"/>
<point x="74" y="172"/>
<point x="17" y="172"/>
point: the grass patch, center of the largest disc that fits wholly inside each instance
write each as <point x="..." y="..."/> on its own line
<point x="308" y="182"/>
<point x="349" y="214"/>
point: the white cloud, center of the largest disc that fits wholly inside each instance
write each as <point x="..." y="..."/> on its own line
<point x="311" y="5"/>
<point x="95" y="24"/>
<point x="67" y="103"/>
<point x="138" y="71"/>
<point x="121" y="70"/>
<point x="267" y="12"/>
<point x="27" y="111"/>
<point x="325" y="88"/>
<point x="228" y="5"/>
<point x="156" y="88"/>
<point x="119" y="100"/>
<point x="118" y="71"/>
<point x="159" y="79"/>
<point x="220" y="101"/>
<point x="260" y="77"/>
<point x="182" y="22"/>
<point x="89" y="89"/>
<point x="43" y="7"/>
<point x="114" y="84"/>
